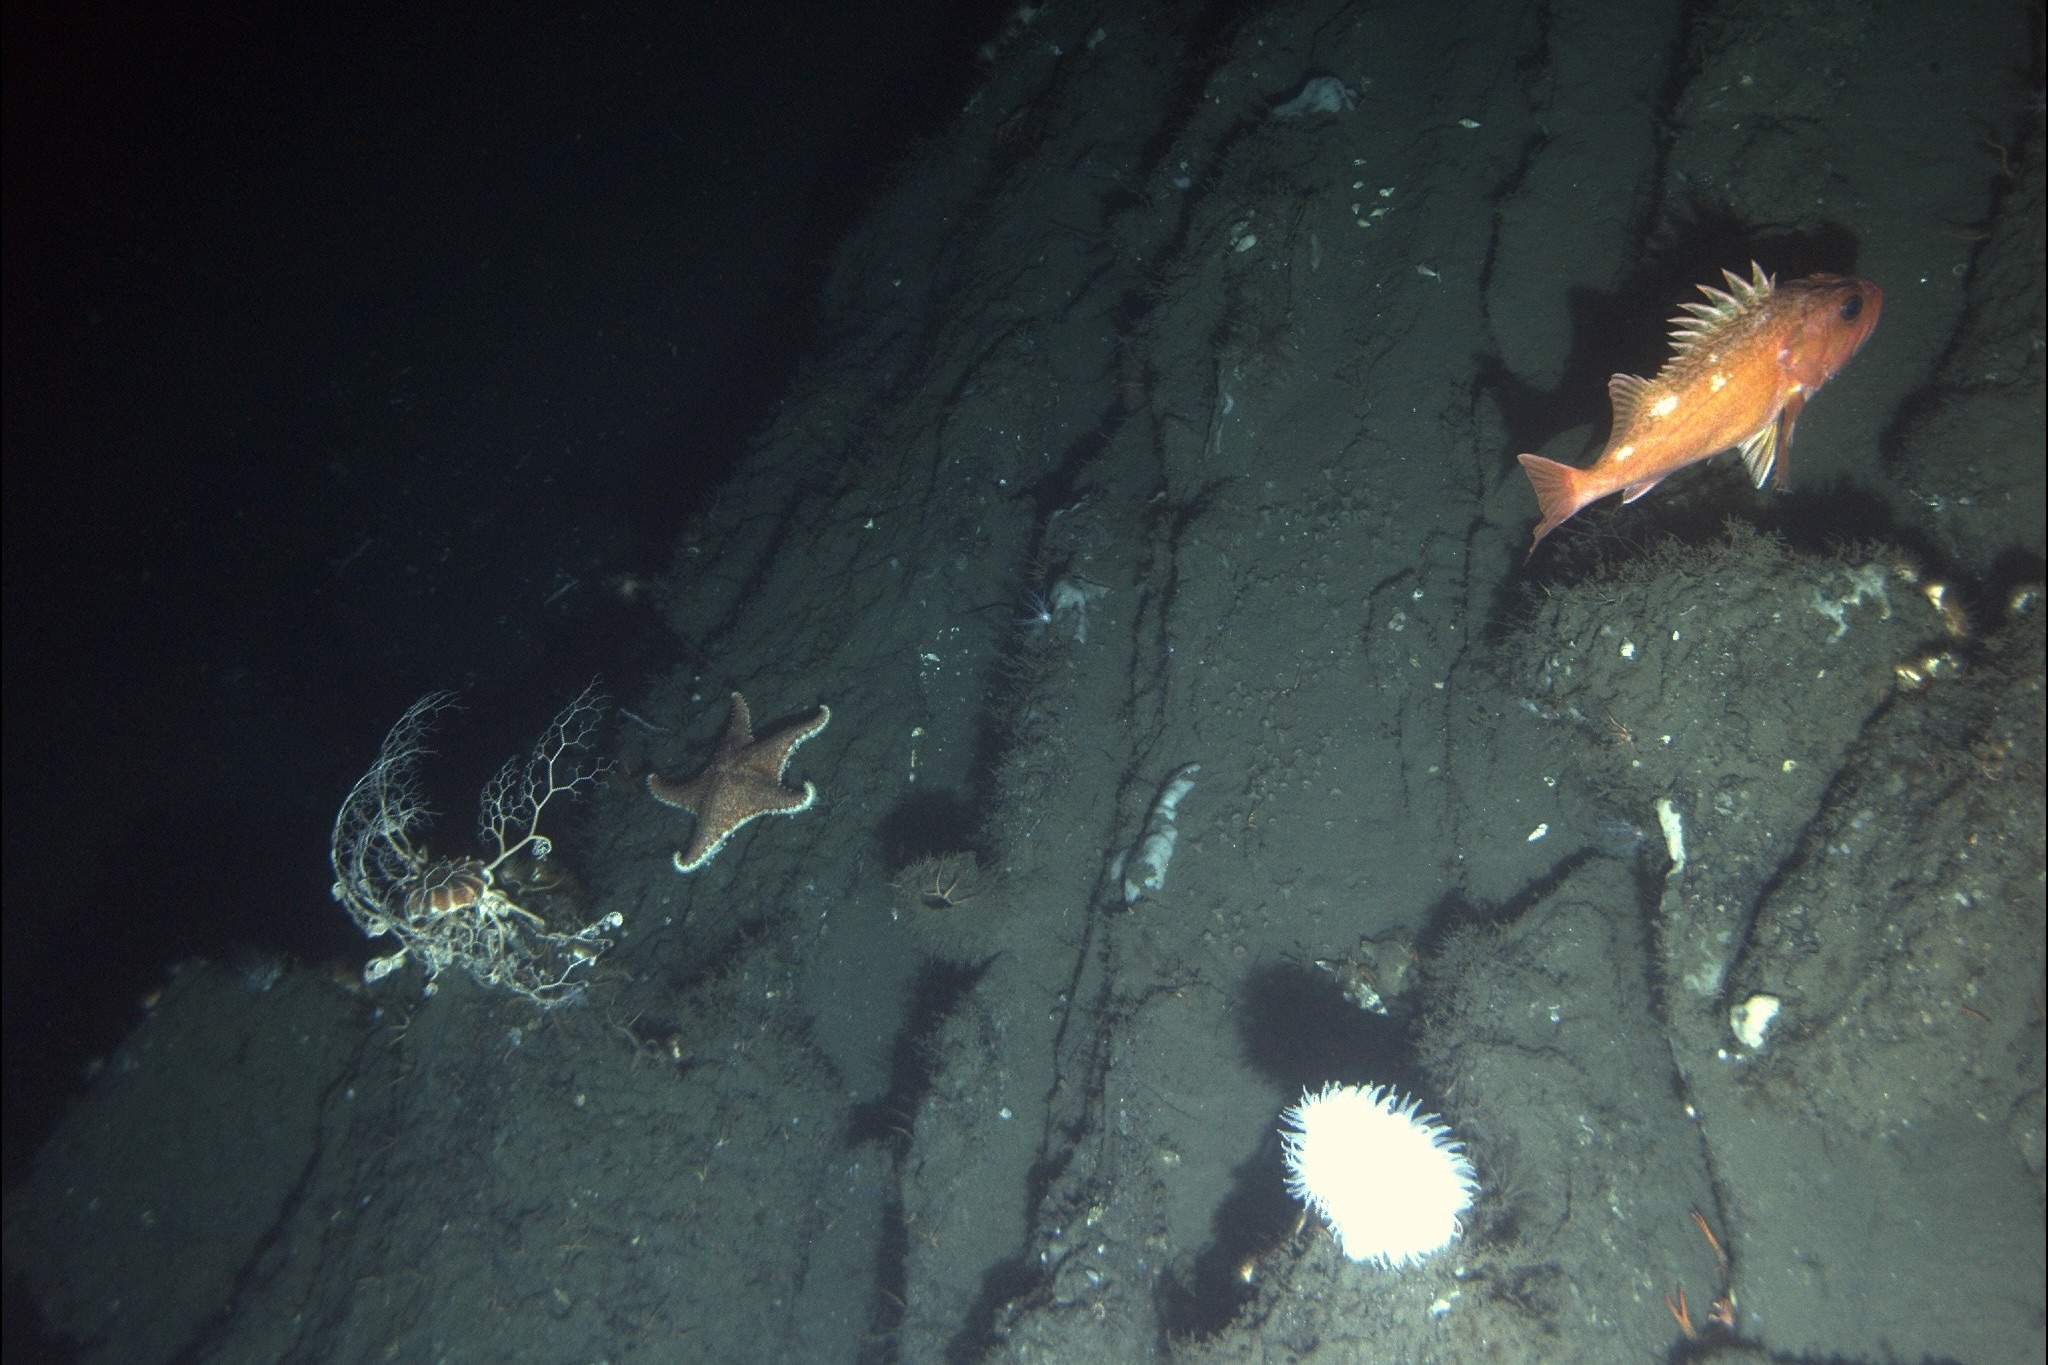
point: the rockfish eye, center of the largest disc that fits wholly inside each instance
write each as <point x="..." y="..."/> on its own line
<point x="1851" y="307"/>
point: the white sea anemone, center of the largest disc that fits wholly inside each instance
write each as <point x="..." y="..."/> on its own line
<point x="1390" y="1185"/>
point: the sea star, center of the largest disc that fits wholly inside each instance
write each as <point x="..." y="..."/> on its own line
<point x="742" y="781"/>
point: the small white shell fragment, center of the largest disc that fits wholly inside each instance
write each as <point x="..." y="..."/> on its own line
<point x="1247" y="242"/>
<point x="1468" y="123"/>
<point x="1539" y="832"/>
<point x="1628" y="649"/>
<point x="1674" y="834"/>
<point x="1752" y="1019"/>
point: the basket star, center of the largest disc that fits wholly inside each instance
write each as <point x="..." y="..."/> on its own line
<point x="742" y="782"/>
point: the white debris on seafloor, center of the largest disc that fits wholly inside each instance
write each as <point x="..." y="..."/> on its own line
<point x="1143" y="869"/>
<point x="1074" y="594"/>
<point x="1322" y="95"/>
<point x="1704" y="980"/>
<point x="1865" y="584"/>
<point x="1673" y="826"/>
<point x="1752" y="1019"/>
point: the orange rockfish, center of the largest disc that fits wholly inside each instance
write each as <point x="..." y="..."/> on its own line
<point x="1742" y="366"/>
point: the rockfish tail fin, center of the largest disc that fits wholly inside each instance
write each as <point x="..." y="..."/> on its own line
<point x="1560" y="491"/>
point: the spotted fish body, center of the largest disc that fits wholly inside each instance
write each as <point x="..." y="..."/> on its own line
<point x="1743" y="364"/>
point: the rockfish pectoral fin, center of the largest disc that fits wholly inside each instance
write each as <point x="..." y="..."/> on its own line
<point x="1560" y="491"/>
<point x="1794" y="405"/>
<point x="1760" y="453"/>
